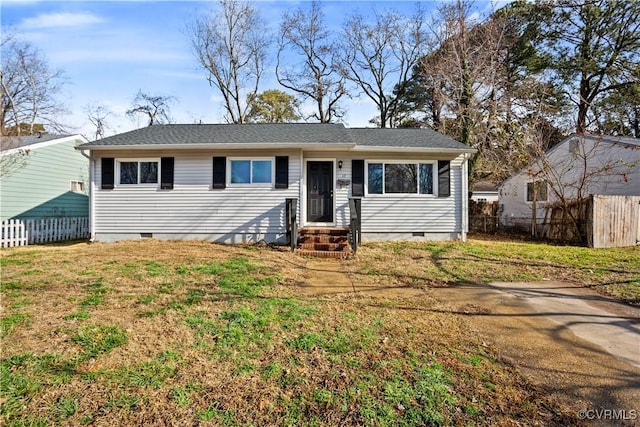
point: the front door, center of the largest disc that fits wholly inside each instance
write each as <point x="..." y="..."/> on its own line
<point x="319" y="191"/>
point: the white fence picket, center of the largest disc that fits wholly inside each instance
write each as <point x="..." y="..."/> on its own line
<point x="13" y="233"/>
<point x="30" y="231"/>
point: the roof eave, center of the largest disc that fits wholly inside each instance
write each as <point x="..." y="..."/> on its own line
<point x="215" y="146"/>
<point x="430" y="150"/>
<point x="43" y="144"/>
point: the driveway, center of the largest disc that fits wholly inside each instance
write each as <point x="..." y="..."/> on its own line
<point x="581" y="348"/>
<point x="614" y="327"/>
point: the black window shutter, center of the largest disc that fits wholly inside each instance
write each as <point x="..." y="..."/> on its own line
<point x="108" y="173"/>
<point x="282" y="172"/>
<point x="219" y="172"/>
<point x="166" y="173"/>
<point x="357" y="178"/>
<point x="444" y="178"/>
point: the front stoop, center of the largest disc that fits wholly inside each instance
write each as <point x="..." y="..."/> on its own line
<point x="324" y="242"/>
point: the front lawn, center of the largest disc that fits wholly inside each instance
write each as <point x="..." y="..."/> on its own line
<point x="183" y="333"/>
<point x="614" y="271"/>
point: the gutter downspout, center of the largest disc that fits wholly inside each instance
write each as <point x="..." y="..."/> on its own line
<point x="464" y="213"/>
<point x="92" y="233"/>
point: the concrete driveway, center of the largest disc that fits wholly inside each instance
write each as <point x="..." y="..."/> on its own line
<point x="613" y="326"/>
<point x="581" y="348"/>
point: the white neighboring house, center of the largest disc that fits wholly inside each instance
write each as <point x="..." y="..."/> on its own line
<point x="485" y="192"/>
<point x="228" y="183"/>
<point x="575" y="168"/>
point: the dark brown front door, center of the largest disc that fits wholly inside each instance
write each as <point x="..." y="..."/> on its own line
<point x="319" y="191"/>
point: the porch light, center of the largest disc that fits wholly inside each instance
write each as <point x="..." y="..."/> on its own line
<point x="339" y="164"/>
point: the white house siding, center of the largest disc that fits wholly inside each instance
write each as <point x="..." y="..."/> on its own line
<point x="622" y="179"/>
<point x="414" y="216"/>
<point x="399" y="217"/>
<point x="192" y="209"/>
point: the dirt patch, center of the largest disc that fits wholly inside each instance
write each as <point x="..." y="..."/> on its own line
<point x="323" y="277"/>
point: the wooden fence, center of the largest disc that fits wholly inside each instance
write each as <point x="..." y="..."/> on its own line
<point x="46" y="230"/>
<point x="601" y="222"/>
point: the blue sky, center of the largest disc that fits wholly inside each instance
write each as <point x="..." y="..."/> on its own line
<point x="109" y="50"/>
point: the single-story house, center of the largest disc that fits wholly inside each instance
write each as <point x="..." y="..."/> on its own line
<point x="484" y="192"/>
<point x="229" y="183"/>
<point x="574" y="169"/>
<point x="43" y="176"/>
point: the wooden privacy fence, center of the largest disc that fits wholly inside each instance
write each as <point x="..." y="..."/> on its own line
<point x="45" y="230"/>
<point x="603" y="221"/>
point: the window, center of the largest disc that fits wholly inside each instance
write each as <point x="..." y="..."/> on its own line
<point x="77" y="186"/>
<point x="400" y="178"/>
<point x="138" y="172"/>
<point x="541" y="191"/>
<point x="573" y="146"/>
<point x="250" y="171"/>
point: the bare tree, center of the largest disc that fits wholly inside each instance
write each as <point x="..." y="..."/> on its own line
<point x="231" y="45"/>
<point x="461" y="65"/>
<point x="154" y="107"/>
<point x="12" y="156"/>
<point x="97" y="115"/>
<point x="29" y="89"/>
<point x="379" y="57"/>
<point x="315" y="76"/>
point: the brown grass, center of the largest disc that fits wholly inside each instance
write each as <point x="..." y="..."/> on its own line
<point x="284" y="349"/>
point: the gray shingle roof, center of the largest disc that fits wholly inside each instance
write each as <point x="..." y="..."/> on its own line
<point x="403" y="137"/>
<point x="280" y="133"/>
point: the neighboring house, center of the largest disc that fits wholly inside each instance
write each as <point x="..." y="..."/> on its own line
<point x="484" y="191"/>
<point x="575" y="168"/>
<point x="228" y="183"/>
<point x="43" y="176"/>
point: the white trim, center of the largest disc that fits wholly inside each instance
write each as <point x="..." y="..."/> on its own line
<point x="303" y="207"/>
<point x="348" y="147"/>
<point x="37" y="145"/>
<point x="434" y="177"/>
<point x="138" y="160"/>
<point x="429" y="150"/>
<point x="464" y="196"/>
<point x="92" y="199"/>
<point x="251" y="184"/>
